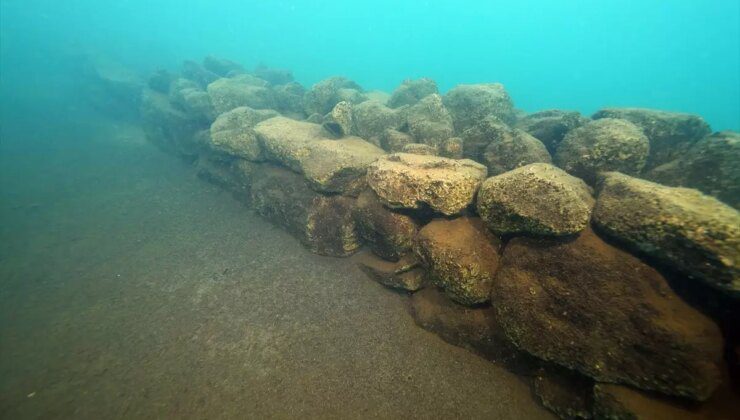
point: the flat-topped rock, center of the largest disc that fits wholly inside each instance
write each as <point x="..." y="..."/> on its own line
<point x="687" y="230"/>
<point x="537" y="199"/>
<point x="404" y="180"/>
<point x="230" y="92"/>
<point x="233" y="132"/>
<point x="334" y="166"/>
<point x="461" y="256"/>
<point x="670" y="133"/>
<point x="588" y="306"/>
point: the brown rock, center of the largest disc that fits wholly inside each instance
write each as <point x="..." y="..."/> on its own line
<point x="404" y="274"/>
<point x="389" y="234"/>
<point x="564" y="392"/>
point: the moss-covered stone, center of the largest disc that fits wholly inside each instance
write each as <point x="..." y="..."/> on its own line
<point x="411" y="91"/>
<point x="588" y="306"/>
<point x="670" y="133"/>
<point x="221" y="66"/>
<point x="461" y="256"/>
<point x="469" y="104"/>
<point x="564" y="392"/>
<point x="243" y="90"/>
<point x="233" y="132"/>
<point x="419" y="149"/>
<point x="603" y="145"/>
<point x="389" y="234"/>
<point x="508" y="148"/>
<point x="687" y="230"/>
<point x="372" y="118"/>
<point x="322" y="96"/>
<point x="551" y="126"/>
<point x="338" y="122"/>
<point x="428" y="121"/>
<point x="537" y="199"/>
<point x="393" y="140"/>
<point x="404" y="180"/>
<point x="168" y="127"/>
<point x="289" y="99"/>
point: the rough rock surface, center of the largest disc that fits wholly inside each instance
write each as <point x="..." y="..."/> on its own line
<point x="687" y="230"/>
<point x="419" y="149"/>
<point x="461" y="256"/>
<point x="670" y="133"/>
<point x="508" y="148"/>
<point x="221" y="66"/>
<point x="404" y="180"/>
<point x="339" y="121"/>
<point x="607" y="144"/>
<point x="334" y="166"/>
<point x="411" y="91"/>
<point x="710" y="165"/>
<point x="229" y="93"/>
<point x="469" y="104"/>
<point x="564" y="392"/>
<point x="537" y="199"/>
<point x="289" y="98"/>
<point x="322" y="96"/>
<point x="168" y="127"/>
<point x="452" y="148"/>
<point x="476" y="329"/>
<point x="405" y="274"/>
<point x="274" y="76"/>
<point x="588" y="306"/>
<point x="197" y="73"/>
<point x="393" y="140"/>
<point x="389" y="235"/>
<point x="324" y="224"/>
<point x="233" y="133"/>
<point x="551" y="126"/>
<point x="372" y="118"/>
<point x="428" y="121"/>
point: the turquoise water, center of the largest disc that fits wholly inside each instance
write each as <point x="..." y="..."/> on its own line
<point x="681" y="55"/>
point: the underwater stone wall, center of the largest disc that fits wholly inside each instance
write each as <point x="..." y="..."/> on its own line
<point x="539" y="241"/>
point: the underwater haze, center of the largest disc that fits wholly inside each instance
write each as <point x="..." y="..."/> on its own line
<point x="678" y="55"/>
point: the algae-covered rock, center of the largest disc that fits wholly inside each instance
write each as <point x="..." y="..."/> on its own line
<point x="378" y="96"/>
<point x="428" y="121"/>
<point x="476" y="329"/>
<point x="564" y="392"/>
<point x="222" y="66"/>
<point x="588" y="306"/>
<point x="333" y="166"/>
<point x="273" y="75"/>
<point x="687" y="230"/>
<point x="160" y="81"/>
<point x="404" y="274"/>
<point x="603" y="145"/>
<point x="452" y="148"/>
<point x="243" y="90"/>
<point x="551" y="126"/>
<point x="389" y="234"/>
<point x="509" y="148"/>
<point x="710" y="165"/>
<point x="338" y="122"/>
<point x="189" y="97"/>
<point x="394" y="141"/>
<point x="322" y="96"/>
<point x="197" y="73"/>
<point x="324" y="224"/>
<point x="535" y="199"/>
<point x="404" y="180"/>
<point x="670" y="133"/>
<point x="168" y="127"/>
<point x="461" y="256"/>
<point x="372" y="118"/>
<point x="411" y="91"/>
<point x="469" y="104"/>
<point x="419" y="149"/>
<point x="289" y="98"/>
<point x="233" y="175"/>
<point x="233" y="132"/>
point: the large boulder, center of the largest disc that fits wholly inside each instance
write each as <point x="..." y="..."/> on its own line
<point x="322" y="96"/>
<point x="332" y="166"/>
<point x="289" y="98"/>
<point x="670" y="133"/>
<point x="389" y="234"/>
<point x="537" y="199"/>
<point x="222" y="66"/>
<point x="588" y="306"/>
<point x="685" y="229"/>
<point x="394" y="141"/>
<point x="710" y="166"/>
<point x="564" y="392"/>
<point x="469" y="104"/>
<point x="551" y="126"/>
<point x="338" y="122"/>
<point x="273" y="75"/>
<point x="428" y="121"/>
<point x="603" y="145"/>
<point x="324" y="224"/>
<point x="508" y="148"/>
<point x="168" y="127"/>
<point x="243" y="90"/>
<point x="372" y="118"/>
<point x="189" y="97"/>
<point x="404" y="180"/>
<point x="461" y="257"/>
<point x="110" y="86"/>
<point x="404" y="274"/>
<point x="233" y="132"/>
<point x="411" y="91"/>
<point x="197" y="73"/>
